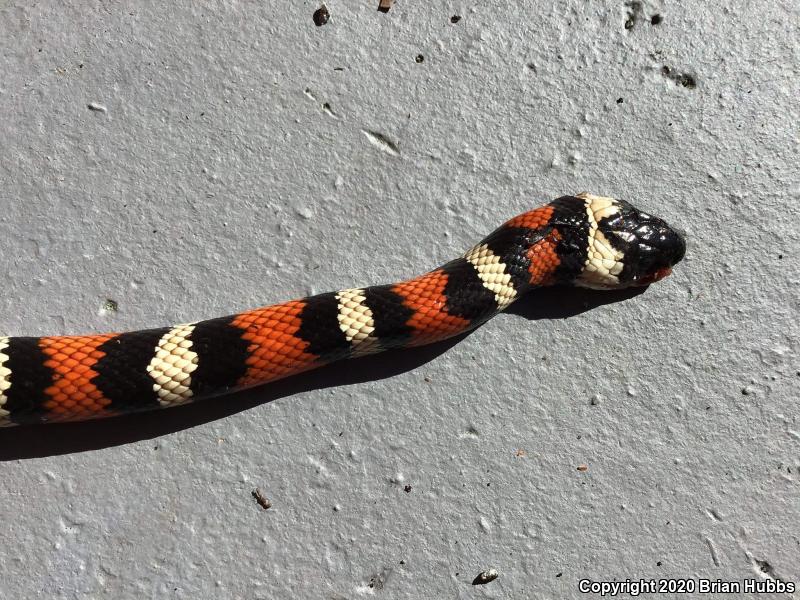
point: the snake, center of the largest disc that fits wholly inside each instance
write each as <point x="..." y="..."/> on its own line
<point x="583" y="240"/>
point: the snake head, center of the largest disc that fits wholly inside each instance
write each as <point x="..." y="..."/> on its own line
<point x="626" y="247"/>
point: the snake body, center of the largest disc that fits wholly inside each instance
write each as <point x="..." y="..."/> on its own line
<point x="584" y="240"/>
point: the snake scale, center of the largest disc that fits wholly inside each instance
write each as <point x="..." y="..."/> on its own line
<point x="584" y="240"/>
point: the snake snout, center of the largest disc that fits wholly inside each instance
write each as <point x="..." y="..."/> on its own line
<point x="669" y="244"/>
<point x="676" y="245"/>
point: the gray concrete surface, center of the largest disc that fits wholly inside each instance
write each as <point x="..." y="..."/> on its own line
<point x="236" y="155"/>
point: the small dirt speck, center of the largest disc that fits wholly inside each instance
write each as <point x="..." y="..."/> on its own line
<point x="420" y="58"/>
<point x="321" y="16"/>
<point x="656" y="19"/>
<point x="620" y="101"/>
<point x="110" y="305"/>
<point x="634" y="12"/>
<point x="684" y="79"/>
<point x="455" y="19"/>
<point x="764" y="566"/>
<point x="407" y="489"/>
<point x="328" y="110"/>
<point x="381" y="142"/>
<point x="485" y="577"/>
<point x="262" y="500"/>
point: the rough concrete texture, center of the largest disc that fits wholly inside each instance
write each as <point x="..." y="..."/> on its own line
<point x="187" y="160"/>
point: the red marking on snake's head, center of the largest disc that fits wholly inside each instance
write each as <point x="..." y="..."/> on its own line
<point x="656" y="275"/>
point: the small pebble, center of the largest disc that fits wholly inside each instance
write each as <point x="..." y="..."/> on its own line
<point x="96" y="107"/>
<point x="261" y="499"/>
<point x="321" y="16"/>
<point x="485" y="577"/>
